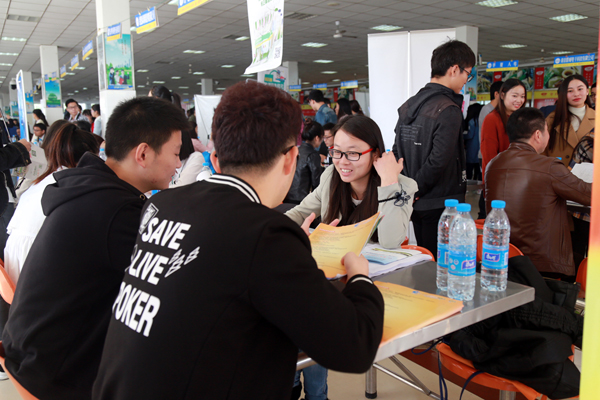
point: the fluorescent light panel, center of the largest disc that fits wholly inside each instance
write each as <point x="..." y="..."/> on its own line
<point x="386" y="28"/>
<point x="9" y="54"/>
<point x="560" y="53"/>
<point x="314" y="44"/>
<point x="14" y="39"/>
<point x="568" y="17"/>
<point x="513" y="46"/>
<point x="5" y="64"/>
<point x="194" y="51"/>
<point x="142" y="70"/>
<point x="198" y="73"/>
<point x="496" y="3"/>
<point x="175" y="77"/>
<point x="242" y="38"/>
<point x="323" y="61"/>
<point x="329" y="72"/>
<point x="227" y="66"/>
<point x="159" y="82"/>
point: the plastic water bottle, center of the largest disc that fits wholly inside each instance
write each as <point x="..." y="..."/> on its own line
<point x="102" y="154"/>
<point x="205" y="172"/>
<point x="494" y="257"/>
<point x="463" y="248"/>
<point x="442" y="244"/>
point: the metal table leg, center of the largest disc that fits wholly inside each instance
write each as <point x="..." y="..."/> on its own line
<point x="371" y="383"/>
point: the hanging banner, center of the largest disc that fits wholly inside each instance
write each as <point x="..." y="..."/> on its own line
<point x="574" y="61"/>
<point x="119" y="63"/>
<point x="74" y="62"/>
<point x="295" y="88"/>
<point x="187" y="5"/>
<point x="88" y="49"/>
<point x="46" y="78"/>
<point x="22" y="104"/>
<point x="146" y="21"/>
<point x="265" y="18"/>
<point x="114" y="32"/>
<point x="349" y="85"/>
<point x="63" y="71"/>
<point x="54" y="76"/>
<point x="539" y="78"/>
<point x="588" y="73"/>
<point x="511" y="65"/>
<point x="320" y="86"/>
<point x="276" y="77"/>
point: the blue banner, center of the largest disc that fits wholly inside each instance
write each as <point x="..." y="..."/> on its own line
<point x="114" y="32"/>
<point x="349" y="85"/>
<point x="187" y="5"/>
<point x="320" y="86"/>
<point x="574" y="61"/>
<point x="295" y="88"/>
<point x="63" y="71"/>
<point x="146" y="20"/>
<point x="511" y="65"/>
<point x="87" y="50"/>
<point x="74" y="62"/>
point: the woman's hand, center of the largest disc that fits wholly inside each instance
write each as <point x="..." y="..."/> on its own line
<point x="309" y="220"/>
<point x="388" y="169"/>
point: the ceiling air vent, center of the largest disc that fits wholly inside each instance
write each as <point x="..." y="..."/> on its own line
<point x="300" y="16"/>
<point x="24" y="18"/>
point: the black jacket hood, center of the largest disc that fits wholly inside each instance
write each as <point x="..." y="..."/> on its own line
<point x="409" y="113"/>
<point x="91" y="175"/>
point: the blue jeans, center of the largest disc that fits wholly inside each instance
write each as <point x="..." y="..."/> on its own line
<point x="315" y="382"/>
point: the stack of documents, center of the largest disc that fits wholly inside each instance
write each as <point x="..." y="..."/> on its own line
<point x="382" y="261"/>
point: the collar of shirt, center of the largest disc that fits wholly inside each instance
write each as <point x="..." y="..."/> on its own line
<point x="237" y="183"/>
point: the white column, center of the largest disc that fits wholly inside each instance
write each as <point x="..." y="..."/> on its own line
<point x="49" y="65"/>
<point x="292" y="67"/>
<point x="207" y="87"/>
<point x="110" y="12"/>
<point x="468" y="35"/>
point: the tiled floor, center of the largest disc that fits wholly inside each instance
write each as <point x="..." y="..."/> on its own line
<point x="347" y="386"/>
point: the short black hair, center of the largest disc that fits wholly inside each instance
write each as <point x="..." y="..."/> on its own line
<point x="495" y="88"/>
<point x="523" y="123"/>
<point x="253" y="125"/>
<point x="84" y="125"/>
<point x="96" y="107"/>
<point x="311" y="130"/>
<point x="328" y="126"/>
<point x="144" y="119"/>
<point x="453" y="52"/>
<point x="316" y="95"/>
<point x="69" y="101"/>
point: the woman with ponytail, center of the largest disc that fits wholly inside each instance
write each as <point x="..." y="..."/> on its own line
<point x="63" y="150"/>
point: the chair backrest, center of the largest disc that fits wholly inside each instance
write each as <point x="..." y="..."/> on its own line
<point x="582" y="273"/>
<point x="479" y="223"/>
<point x="419" y="248"/>
<point x="20" y="389"/>
<point x="7" y="286"/>
<point x="513" y="251"/>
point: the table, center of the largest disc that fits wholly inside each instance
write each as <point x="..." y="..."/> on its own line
<point x="422" y="277"/>
<point x="576" y="207"/>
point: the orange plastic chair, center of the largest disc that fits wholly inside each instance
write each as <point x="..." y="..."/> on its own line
<point x="419" y="248"/>
<point x="20" y="389"/>
<point x="582" y="274"/>
<point x="464" y="368"/>
<point x="479" y="223"/>
<point x="405" y="242"/>
<point x="513" y="251"/>
<point x="7" y="286"/>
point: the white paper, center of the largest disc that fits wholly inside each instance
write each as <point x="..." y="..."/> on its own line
<point x="584" y="171"/>
<point x="376" y="269"/>
<point x="265" y="18"/>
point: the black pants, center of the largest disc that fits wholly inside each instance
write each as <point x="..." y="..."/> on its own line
<point x="426" y="224"/>
<point x="474" y="171"/>
<point x="580" y="238"/>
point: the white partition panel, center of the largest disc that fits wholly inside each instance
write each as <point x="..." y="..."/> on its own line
<point x="422" y="44"/>
<point x="205" y="109"/>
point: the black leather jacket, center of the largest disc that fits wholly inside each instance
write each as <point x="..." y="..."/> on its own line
<point x="307" y="176"/>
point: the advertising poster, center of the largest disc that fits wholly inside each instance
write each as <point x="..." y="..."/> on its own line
<point x="184" y="6"/>
<point x="471" y="87"/>
<point x="554" y="76"/>
<point x="52" y="93"/>
<point x="525" y="75"/>
<point x="276" y="77"/>
<point x="119" y="63"/>
<point x="22" y="105"/>
<point x="14" y="109"/>
<point x="265" y="18"/>
<point x="146" y="21"/>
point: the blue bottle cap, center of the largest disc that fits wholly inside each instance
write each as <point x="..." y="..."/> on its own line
<point x="498" y="204"/>
<point x="463" y="207"/>
<point x="451" y="203"/>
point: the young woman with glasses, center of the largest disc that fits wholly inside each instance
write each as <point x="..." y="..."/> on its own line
<point x="363" y="180"/>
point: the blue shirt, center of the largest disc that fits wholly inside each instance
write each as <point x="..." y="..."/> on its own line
<point x="325" y="115"/>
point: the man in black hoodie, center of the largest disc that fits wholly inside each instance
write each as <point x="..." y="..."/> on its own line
<point x="61" y="309"/>
<point x="429" y="138"/>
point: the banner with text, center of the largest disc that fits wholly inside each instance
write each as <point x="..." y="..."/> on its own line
<point x="187" y="5"/>
<point x="574" y="61"/>
<point x="511" y="65"/>
<point x="146" y="21"/>
<point x="74" y="62"/>
<point x="88" y="49"/>
<point x="114" y="32"/>
<point x="265" y="18"/>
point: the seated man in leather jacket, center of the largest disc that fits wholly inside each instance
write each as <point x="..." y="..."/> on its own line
<point x="536" y="189"/>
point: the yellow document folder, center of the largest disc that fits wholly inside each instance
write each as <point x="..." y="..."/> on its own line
<point x="331" y="243"/>
<point x="407" y="310"/>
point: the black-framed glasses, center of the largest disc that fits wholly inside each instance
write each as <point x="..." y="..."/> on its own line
<point x="350" y="155"/>
<point x="470" y="77"/>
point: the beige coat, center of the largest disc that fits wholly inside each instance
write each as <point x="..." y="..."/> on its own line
<point x="564" y="148"/>
<point x="392" y="229"/>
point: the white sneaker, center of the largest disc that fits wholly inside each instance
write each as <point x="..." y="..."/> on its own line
<point x="3" y="376"/>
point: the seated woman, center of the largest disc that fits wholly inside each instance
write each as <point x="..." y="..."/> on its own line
<point x="63" y="150"/>
<point x="363" y="180"/>
<point x="191" y="162"/>
<point x="308" y="166"/>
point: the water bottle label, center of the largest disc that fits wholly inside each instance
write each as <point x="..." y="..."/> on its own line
<point x="443" y="255"/>
<point x="494" y="257"/>
<point x="461" y="265"/>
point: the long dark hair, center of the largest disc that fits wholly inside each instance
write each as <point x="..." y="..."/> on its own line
<point x="562" y="115"/>
<point x="67" y="145"/>
<point x="187" y="146"/>
<point x="344" y="107"/>
<point x="38" y="113"/>
<point x="340" y="199"/>
<point x="311" y="130"/>
<point x="506" y="86"/>
<point x="355" y="106"/>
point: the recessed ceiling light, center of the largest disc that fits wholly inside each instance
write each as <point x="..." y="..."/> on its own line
<point x="560" y="53"/>
<point x="220" y="88"/>
<point x="70" y="94"/>
<point x="227" y="66"/>
<point x="159" y="82"/>
<point x="184" y="87"/>
<point x="142" y="70"/>
<point x="9" y="54"/>
<point x="513" y="46"/>
<point x="141" y="86"/>
<point x="386" y="28"/>
<point x="496" y="3"/>
<point x="194" y="51"/>
<point x="2" y="76"/>
<point x="568" y="17"/>
<point x="314" y="44"/>
<point x="175" y="77"/>
<point x="247" y="75"/>
<point x="1" y="81"/>
<point x="62" y="79"/>
<point x="306" y="83"/>
<point x="5" y="65"/>
<point x="323" y="61"/>
<point x="76" y="91"/>
<point x="329" y="72"/>
<point x="198" y="73"/>
<point x="14" y="39"/>
<point x="242" y="38"/>
<point x="133" y="28"/>
<point x="79" y="67"/>
<point x="84" y="88"/>
<point x="174" y="2"/>
<point x="198" y="83"/>
<point x="335" y="80"/>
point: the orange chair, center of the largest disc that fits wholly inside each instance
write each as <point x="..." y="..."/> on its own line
<point x="405" y="242"/>
<point x="20" y="389"/>
<point x="513" y="251"/>
<point x="7" y="287"/>
<point x="479" y="223"/>
<point x="464" y="368"/>
<point x="582" y="274"/>
<point x="419" y="248"/>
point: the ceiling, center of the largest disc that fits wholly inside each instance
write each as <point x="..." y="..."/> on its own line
<point x="69" y="24"/>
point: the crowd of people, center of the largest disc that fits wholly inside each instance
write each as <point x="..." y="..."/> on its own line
<point x="207" y="280"/>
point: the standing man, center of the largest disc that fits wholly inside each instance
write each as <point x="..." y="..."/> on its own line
<point x="74" y="111"/>
<point x="429" y="138"/>
<point x="324" y="114"/>
<point x="61" y="309"/>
